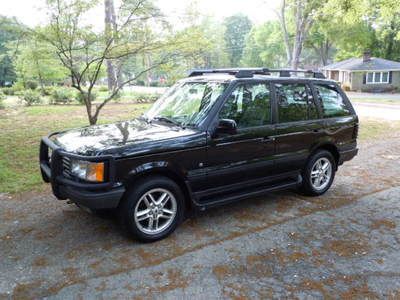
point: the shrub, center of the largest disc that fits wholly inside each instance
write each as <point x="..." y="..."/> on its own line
<point x="140" y="82"/>
<point x="143" y="97"/>
<point x="61" y="96"/>
<point x="47" y="90"/>
<point x="9" y="91"/>
<point x="103" y="88"/>
<point x="31" y="97"/>
<point x="30" y="84"/>
<point x="80" y="97"/>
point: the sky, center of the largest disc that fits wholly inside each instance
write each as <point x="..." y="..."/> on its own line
<point x="31" y="12"/>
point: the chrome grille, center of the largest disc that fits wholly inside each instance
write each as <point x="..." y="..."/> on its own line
<point x="66" y="166"/>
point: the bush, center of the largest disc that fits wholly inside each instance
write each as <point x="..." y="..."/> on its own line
<point x="30" y="84"/>
<point x="61" y="96"/>
<point x="9" y="91"/>
<point x="103" y="88"/>
<point x="142" y="97"/>
<point x="80" y="97"/>
<point x="140" y="82"/>
<point x="154" y="83"/>
<point x="47" y="90"/>
<point x="31" y="97"/>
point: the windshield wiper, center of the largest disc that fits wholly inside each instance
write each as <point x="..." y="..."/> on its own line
<point x="168" y="120"/>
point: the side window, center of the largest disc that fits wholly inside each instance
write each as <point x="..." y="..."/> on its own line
<point x="249" y="105"/>
<point x="295" y="102"/>
<point x="331" y="101"/>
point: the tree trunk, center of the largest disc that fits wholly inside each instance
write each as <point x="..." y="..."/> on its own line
<point x="282" y="19"/>
<point x="110" y="29"/>
<point x="86" y="99"/>
<point x="297" y="38"/>
<point x="303" y="23"/>
<point x="325" y="52"/>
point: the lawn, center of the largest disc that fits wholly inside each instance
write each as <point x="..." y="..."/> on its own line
<point x="21" y="129"/>
<point x="371" y="129"/>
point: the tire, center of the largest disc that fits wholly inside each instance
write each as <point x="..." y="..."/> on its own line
<point x="152" y="209"/>
<point x="322" y="167"/>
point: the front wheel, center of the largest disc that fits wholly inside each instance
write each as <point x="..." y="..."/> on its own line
<point x="319" y="173"/>
<point x="152" y="209"/>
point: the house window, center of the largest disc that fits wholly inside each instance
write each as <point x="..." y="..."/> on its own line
<point x="377" y="77"/>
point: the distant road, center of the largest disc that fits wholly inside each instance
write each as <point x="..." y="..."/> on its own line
<point x="377" y="96"/>
<point x="377" y="110"/>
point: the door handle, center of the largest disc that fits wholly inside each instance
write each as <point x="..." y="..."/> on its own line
<point x="268" y="139"/>
<point x="317" y="130"/>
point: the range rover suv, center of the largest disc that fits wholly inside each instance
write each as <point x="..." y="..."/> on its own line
<point x="218" y="136"/>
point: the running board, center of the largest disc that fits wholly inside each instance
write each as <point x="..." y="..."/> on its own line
<point x="287" y="184"/>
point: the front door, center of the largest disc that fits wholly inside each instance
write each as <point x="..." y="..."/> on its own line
<point x="247" y="154"/>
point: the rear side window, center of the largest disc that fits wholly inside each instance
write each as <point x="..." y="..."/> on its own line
<point x="295" y="102"/>
<point x="332" y="102"/>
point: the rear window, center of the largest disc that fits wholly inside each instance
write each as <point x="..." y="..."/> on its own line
<point x="332" y="102"/>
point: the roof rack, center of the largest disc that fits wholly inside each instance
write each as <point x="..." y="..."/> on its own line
<point x="250" y="72"/>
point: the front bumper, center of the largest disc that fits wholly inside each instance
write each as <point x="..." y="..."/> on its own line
<point x="91" y="195"/>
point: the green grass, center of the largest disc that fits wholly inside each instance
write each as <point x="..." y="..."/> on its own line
<point x="22" y="128"/>
<point x="371" y="129"/>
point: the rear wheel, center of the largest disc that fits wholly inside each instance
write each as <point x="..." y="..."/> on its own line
<point x="152" y="209"/>
<point x="319" y="173"/>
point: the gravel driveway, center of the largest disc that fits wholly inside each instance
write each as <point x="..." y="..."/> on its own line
<point x="343" y="244"/>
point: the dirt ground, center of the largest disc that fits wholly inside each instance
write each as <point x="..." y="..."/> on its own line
<point x="344" y="244"/>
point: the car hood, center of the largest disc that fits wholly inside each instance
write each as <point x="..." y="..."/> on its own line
<point x="124" y="138"/>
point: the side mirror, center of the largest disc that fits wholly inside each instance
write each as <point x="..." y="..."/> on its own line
<point x="226" y="126"/>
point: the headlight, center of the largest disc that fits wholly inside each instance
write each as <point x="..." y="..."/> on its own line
<point x="89" y="171"/>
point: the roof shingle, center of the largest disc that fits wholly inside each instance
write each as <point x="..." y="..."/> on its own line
<point x="357" y="64"/>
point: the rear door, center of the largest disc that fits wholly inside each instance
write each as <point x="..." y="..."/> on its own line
<point x="341" y="122"/>
<point x="298" y="124"/>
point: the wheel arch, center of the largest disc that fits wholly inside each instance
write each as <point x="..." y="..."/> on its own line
<point x="328" y="146"/>
<point x="163" y="170"/>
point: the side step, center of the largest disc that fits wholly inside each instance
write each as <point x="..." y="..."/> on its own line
<point x="248" y="193"/>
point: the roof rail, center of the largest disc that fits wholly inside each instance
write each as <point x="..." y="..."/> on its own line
<point x="250" y="72"/>
<point x="288" y="73"/>
<point x="238" y="72"/>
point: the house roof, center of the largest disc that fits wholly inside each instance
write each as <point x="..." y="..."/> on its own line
<point x="357" y="64"/>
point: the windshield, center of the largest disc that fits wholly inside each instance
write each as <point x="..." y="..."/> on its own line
<point x="186" y="104"/>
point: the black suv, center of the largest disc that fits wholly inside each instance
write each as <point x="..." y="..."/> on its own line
<point x="215" y="137"/>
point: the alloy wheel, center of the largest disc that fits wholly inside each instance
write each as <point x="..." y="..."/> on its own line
<point x="321" y="173"/>
<point x="155" y="211"/>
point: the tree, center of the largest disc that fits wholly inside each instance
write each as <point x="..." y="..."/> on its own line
<point x="10" y="31"/>
<point x="84" y="51"/>
<point x="35" y="60"/>
<point x="302" y="14"/>
<point x="237" y="28"/>
<point x="264" y="46"/>
<point x="348" y="27"/>
<point x="110" y="30"/>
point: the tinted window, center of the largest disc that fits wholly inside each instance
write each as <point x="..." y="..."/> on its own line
<point x="295" y="102"/>
<point x="331" y="101"/>
<point x="249" y="105"/>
